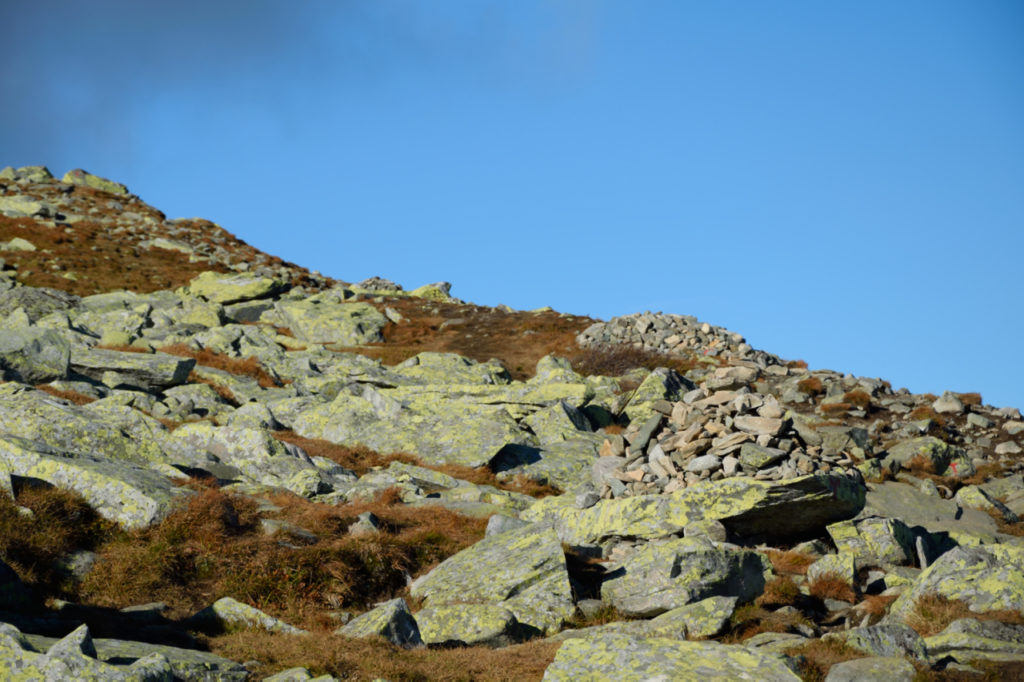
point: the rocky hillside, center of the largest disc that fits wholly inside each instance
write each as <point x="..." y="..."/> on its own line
<point x="218" y="465"/>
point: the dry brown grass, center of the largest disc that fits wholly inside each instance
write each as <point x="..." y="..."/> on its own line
<point x="932" y="613"/>
<point x="1016" y="529"/>
<point x="367" y="659"/>
<point x="618" y="360"/>
<point x="832" y="586"/>
<point x="62" y="522"/>
<point x="790" y="561"/>
<point x="972" y="399"/>
<point x="517" y="339"/>
<point x="750" y="619"/>
<point x="818" y="655"/>
<point x="922" y="466"/>
<point x="71" y="396"/>
<point x="926" y="412"/>
<point x="361" y="459"/>
<point x="836" y="408"/>
<point x="779" y="591"/>
<point x="246" y="367"/>
<point x="811" y="386"/>
<point x="876" y="604"/>
<point x="124" y="349"/>
<point x="858" y="398"/>
<point x="213" y="547"/>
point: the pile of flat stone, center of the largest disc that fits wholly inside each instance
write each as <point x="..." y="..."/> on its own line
<point x="674" y="334"/>
<point x="715" y="433"/>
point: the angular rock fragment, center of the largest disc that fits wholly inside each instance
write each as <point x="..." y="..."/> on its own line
<point x="522" y="570"/>
<point x="33" y="355"/>
<point x="146" y="371"/>
<point x="468" y="625"/>
<point x="390" y="620"/>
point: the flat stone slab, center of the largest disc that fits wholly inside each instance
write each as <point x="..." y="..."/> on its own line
<point x="148" y="371"/>
<point x="620" y="657"/>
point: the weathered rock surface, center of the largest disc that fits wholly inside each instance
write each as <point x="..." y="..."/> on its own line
<point x="522" y="570"/>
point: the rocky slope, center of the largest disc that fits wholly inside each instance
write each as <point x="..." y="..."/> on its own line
<point x="222" y="466"/>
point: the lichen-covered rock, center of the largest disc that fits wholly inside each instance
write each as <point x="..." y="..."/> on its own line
<point x="468" y="625"/>
<point x="563" y="464"/>
<point x="662" y="576"/>
<point x="451" y="368"/>
<point x="33" y="355"/>
<point x="941" y="518"/>
<point x="346" y="324"/>
<point x="842" y="566"/>
<point x="987" y="578"/>
<point x="78" y="176"/>
<point x="969" y="639"/>
<point x="130" y="495"/>
<point x="71" y="658"/>
<point x="224" y="288"/>
<point x="939" y="453"/>
<point x="438" y="430"/>
<point x="874" y="540"/>
<point x="146" y="371"/>
<point x="661" y="384"/>
<point x="36" y="302"/>
<point x="390" y="620"/>
<point x="522" y="570"/>
<point x="186" y="664"/>
<point x="745" y="506"/>
<point x="611" y="656"/>
<point x="873" y="669"/>
<point x="699" y="620"/>
<point x="890" y="639"/>
<point x="113" y="434"/>
<point x="231" y="614"/>
<point x="259" y="457"/>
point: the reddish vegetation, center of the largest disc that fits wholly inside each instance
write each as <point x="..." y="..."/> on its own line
<point x="811" y="386"/>
<point x="247" y="367"/>
<point x="790" y="561"/>
<point x="830" y="586"/>
<point x="71" y="396"/>
<point x="933" y="612"/>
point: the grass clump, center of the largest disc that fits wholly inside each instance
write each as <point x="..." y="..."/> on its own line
<point x="832" y="586"/>
<point x="817" y="656"/>
<point x="246" y="367"/>
<point x="790" y="561"/>
<point x="933" y="612"/>
<point x="346" y="658"/>
<point x="858" y="398"/>
<point x="617" y="360"/>
<point x="214" y="546"/>
<point x="779" y="591"/>
<point x="751" y="619"/>
<point x="61" y="522"/>
<point x="73" y="397"/>
<point x="811" y="387"/>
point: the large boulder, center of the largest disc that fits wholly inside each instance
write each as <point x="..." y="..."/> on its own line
<point x="986" y="578"/>
<point x="625" y="658"/>
<point x="522" y="570"/>
<point x="78" y="176"/>
<point x="224" y="288"/>
<point x="390" y="620"/>
<point x="451" y="368"/>
<point x="745" y="506"/>
<point x="33" y="355"/>
<point x="149" y="372"/>
<point x="438" y="428"/>
<point x="71" y="658"/>
<point x="468" y="625"/>
<point x="130" y="495"/>
<point x="231" y="614"/>
<point x="969" y="639"/>
<point x="36" y="302"/>
<point x="662" y="576"/>
<point x="345" y="324"/>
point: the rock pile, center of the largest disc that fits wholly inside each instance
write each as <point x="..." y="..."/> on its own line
<point x="748" y="500"/>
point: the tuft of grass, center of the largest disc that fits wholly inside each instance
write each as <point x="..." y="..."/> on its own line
<point x="790" y="561"/>
<point x="124" y="349"/>
<point x="246" y="367"/>
<point x="606" y="614"/>
<point x="858" y="398"/>
<point x="220" y="389"/>
<point x="213" y="546"/>
<point x="61" y="522"/>
<point x="836" y="408"/>
<point x="933" y="612"/>
<point x="73" y="397"/>
<point x="344" y="658"/>
<point x="779" y="591"/>
<point x="1016" y="529"/>
<point x="926" y="412"/>
<point x="817" y="656"/>
<point x="972" y="399"/>
<point x="617" y="360"/>
<point x="811" y="386"/>
<point x="877" y="604"/>
<point x="832" y="586"/>
<point x="750" y="619"/>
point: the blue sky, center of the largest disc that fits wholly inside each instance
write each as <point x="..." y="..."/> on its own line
<point x="840" y="182"/>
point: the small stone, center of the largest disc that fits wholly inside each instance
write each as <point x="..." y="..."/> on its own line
<point x="1008" y="448"/>
<point x="704" y="463"/>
